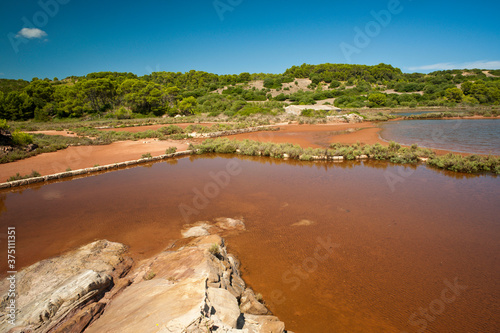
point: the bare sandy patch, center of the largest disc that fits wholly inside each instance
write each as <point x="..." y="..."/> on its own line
<point x="80" y="157"/>
<point x="318" y="136"/>
<point x="61" y="133"/>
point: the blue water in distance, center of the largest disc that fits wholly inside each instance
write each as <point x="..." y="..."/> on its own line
<point x="480" y="136"/>
<point x="411" y="113"/>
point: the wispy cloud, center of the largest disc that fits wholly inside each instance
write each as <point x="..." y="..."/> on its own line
<point x="31" y="33"/>
<point x="482" y="64"/>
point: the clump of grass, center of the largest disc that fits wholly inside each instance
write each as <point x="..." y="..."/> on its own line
<point x="467" y="164"/>
<point x="170" y="150"/>
<point x="214" y="249"/>
<point x="149" y="276"/>
<point x="18" y="176"/>
<point x="68" y="169"/>
<point x="147" y="155"/>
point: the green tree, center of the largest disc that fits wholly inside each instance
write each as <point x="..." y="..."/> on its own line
<point x="99" y="93"/>
<point x="467" y="87"/>
<point x="454" y="95"/>
<point x="376" y="100"/>
<point x="187" y="105"/>
<point x="70" y="102"/>
<point x="18" y="106"/>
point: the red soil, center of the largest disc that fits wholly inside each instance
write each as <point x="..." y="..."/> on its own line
<point x="79" y="157"/>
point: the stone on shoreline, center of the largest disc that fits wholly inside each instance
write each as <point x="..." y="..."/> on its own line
<point x="92" y="289"/>
<point x="54" y="291"/>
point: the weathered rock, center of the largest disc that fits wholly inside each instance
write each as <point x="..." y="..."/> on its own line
<point x="220" y="226"/>
<point x="5" y="137"/>
<point x="250" y="304"/>
<point x="227" y="223"/>
<point x="224" y="306"/>
<point x="153" y="306"/>
<point x="303" y="223"/>
<point x="191" y="289"/>
<point x="31" y="147"/>
<point x="196" y="231"/>
<point x="261" y="324"/>
<point x="52" y="291"/>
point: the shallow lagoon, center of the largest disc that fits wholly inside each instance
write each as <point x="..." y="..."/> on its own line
<point x="481" y="136"/>
<point x="396" y="234"/>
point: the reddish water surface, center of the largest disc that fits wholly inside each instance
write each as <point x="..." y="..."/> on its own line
<point x="395" y="235"/>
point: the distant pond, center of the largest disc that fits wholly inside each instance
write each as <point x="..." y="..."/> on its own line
<point x="480" y="136"/>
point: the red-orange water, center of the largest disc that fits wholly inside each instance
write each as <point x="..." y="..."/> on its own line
<point x="397" y="234"/>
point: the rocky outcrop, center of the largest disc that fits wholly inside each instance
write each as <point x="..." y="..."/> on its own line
<point x="5" y="137"/>
<point x="223" y="226"/>
<point x="193" y="287"/>
<point x="197" y="288"/>
<point x="66" y="293"/>
<point x="348" y="118"/>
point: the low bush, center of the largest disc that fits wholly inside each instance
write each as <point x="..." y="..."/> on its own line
<point x="214" y="249"/>
<point x="3" y="124"/>
<point x="21" y="138"/>
<point x="170" y="150"/>
<point x="33" y="174"/>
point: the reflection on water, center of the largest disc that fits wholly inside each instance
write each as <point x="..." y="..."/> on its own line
<point x="332" y="247"/>
<point x="480" y="136"/>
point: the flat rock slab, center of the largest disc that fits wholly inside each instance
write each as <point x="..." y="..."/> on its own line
<point x="152" y="306"/>
<point x="51" y="289"/>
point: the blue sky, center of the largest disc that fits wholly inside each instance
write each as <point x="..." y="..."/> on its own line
<point x="73" y="37"/>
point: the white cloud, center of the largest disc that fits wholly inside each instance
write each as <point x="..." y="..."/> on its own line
<point x="481" y="64"/>
<point x="31" y="33"/>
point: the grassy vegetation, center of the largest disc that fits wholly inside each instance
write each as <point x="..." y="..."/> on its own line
<point x="19" y="177"/>
<point x="467" y="164"/>
<point x="170" y="150"/>
<point x="214" y="249"/>
<point x="149" y="276"/>
<point x="394" y="153"/>
<point x="92" y="136"/>
<point x="21" y="138"/>
<point x="46" y="144"/>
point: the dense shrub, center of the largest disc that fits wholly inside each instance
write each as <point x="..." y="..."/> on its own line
<point x="22" y="139"/>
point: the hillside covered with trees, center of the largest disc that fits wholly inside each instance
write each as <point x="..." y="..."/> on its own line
<point x="126" y="95"/>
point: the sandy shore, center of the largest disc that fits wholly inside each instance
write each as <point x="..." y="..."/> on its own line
<point x="318" y="136"/>
<point x="79" y="157"/>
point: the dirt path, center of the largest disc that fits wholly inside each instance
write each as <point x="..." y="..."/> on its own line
<point x="79" y="157"/>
